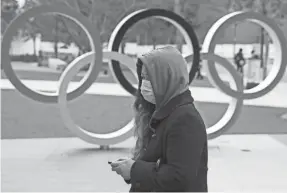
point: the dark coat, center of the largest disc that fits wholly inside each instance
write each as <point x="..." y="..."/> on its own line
<point x="176" y="156"/>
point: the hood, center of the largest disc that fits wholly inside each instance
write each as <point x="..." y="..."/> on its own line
<point x="168" y="73"/>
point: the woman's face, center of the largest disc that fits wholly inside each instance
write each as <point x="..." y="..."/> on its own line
<point x="146" y="87"/>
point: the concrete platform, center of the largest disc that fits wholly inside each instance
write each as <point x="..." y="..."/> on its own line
<point x="238" y="163"/>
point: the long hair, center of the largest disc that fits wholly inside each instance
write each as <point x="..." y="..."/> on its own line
<point x="143" y="112"/>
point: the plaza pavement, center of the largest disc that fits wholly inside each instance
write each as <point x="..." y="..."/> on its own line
<point x="237" y="163"/>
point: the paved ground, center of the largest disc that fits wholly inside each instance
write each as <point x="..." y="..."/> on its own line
<point x="236" y="163"/>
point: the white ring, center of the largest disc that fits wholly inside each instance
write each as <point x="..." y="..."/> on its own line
<point x="99" y="139"/>
<point x="82" y="21"/>
<point x="280" y="60"/>
<point x="235" y="105"/>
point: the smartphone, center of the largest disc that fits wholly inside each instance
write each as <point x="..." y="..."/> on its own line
<point x="109" y="162"/>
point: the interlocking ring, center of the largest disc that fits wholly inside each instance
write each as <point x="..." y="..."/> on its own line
<point x="81" y="20"/>
<point x="280" y="59"/>
<point x="182" y="25"/>
<point x="238" y="95"/>
<point x="235" y="105"/>
<point x="100" y="139"/>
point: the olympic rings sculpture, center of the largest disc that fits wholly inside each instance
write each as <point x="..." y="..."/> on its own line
<point x="236" y="90"/>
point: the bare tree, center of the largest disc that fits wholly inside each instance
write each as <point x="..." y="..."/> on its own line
<point x="189" y="11"/>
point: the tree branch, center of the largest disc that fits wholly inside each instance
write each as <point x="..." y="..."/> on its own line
<point x="102" y="28"/>
<point x="78" y="43"/>
<point x="127" y="8"/>
<point x="92" y="14"/>
<point x="73" y="4"/>
<point x="69" y="5"/>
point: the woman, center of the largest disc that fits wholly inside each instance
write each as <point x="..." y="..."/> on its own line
<point x="171" y="148"/>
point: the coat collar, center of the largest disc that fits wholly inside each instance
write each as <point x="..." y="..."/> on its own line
<point x="165" y="111"/>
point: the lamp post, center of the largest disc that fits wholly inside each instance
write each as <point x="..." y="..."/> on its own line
<point x="56" y="38"/>
<point x="263" y="63"/>
<point x="177" y="10"/>
<point x="234" y="39"/>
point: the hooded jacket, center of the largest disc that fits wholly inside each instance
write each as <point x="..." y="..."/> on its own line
<point x="175" y="158"/>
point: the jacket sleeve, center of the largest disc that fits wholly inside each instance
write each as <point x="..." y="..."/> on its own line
<point x="184" y="146"/>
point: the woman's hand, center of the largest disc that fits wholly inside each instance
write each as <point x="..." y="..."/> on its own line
<point x="123" y="168"/>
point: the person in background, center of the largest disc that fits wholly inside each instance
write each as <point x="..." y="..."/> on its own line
<point x="171" y="153"/>
<point x="239" y="61"/>
<point x="254" y="55"/>
<point x="199" y="75"/>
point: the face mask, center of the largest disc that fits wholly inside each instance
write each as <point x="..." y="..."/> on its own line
<point x="147" y="92"/>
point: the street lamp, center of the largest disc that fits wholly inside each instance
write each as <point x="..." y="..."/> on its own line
<point x="234" y="39"/>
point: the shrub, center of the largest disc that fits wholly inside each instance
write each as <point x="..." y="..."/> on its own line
<point x="24" y="58"/>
